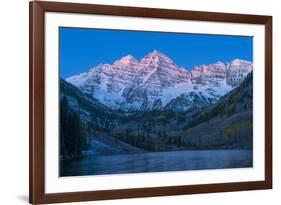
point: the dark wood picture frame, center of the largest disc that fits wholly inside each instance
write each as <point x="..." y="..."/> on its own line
<point x="37" y="193"/>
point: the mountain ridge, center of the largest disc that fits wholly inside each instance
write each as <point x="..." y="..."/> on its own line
<point x="155" y="80"/>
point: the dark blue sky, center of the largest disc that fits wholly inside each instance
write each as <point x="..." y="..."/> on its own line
<point x="81" y="49"/>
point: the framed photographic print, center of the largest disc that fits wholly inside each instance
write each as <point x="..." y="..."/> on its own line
<point x="139" y="102"/>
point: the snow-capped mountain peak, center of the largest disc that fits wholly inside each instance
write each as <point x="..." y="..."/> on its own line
<point x="156" y="57"/>
<point x="155" y="81"/>
<point x="240" y="61"/>
<point x="126" y="60"/>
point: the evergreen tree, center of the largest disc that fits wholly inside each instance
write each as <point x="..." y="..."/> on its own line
<point x="63" y="127"/>
<point x="72" y="135"/>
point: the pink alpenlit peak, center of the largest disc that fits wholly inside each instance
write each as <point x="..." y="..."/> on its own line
<point x="240" y="61"/>
<point x="128" y="59"/>
<point x="156" y="55"/>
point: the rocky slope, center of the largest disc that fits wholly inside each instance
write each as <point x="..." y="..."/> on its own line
<point x="226" y="124"/>
<point x="96" y="122"/>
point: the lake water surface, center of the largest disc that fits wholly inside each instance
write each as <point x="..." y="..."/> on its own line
<point x="158" y="162"/>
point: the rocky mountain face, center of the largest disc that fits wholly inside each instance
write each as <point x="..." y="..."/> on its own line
<point x="156" y="83"/>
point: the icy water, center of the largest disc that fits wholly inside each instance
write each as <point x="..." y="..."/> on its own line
<point x="158" y="162"/>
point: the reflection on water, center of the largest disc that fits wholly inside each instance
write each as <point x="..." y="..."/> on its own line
<point x="157" y="162"/>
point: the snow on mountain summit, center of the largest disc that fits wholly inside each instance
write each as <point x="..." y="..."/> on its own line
<point x="127" y="60"/>
<point x="155" y="82"/>
<point x="240" y="61"/>
<point x="156" y="57"/>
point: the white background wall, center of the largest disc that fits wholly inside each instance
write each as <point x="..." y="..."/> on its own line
<point x="14" y="100"/>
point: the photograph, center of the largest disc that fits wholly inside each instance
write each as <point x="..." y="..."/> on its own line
<point x="147" y="101"/>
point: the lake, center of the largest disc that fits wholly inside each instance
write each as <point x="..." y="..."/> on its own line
<point x="157" y="162"/>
